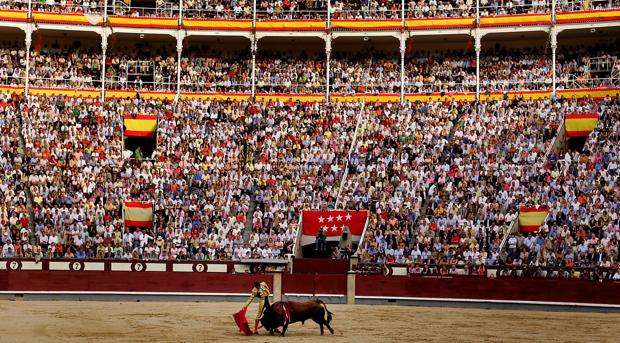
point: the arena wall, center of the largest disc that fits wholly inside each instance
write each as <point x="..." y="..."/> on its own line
<point x="52" y="277"/>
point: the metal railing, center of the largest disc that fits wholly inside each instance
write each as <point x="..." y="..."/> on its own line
<point x="576" y="82"/>
<point x="585" y="5"/>
<point x="393" y="10"/>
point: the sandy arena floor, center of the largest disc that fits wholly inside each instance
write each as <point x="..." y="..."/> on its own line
<point x="72" y="321"/>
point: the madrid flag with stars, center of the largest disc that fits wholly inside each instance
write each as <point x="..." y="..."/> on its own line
<point x="332" y="223"/>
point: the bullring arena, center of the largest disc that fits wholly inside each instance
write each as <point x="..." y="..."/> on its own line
<point x="419" y="170"/>
<point x="203" y="322"/>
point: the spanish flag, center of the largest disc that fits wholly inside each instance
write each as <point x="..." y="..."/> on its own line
<point x="140" y="126"/>
<point x="138" y="213"/>
<point x="531" y="218"/>
<point x="580" y="125"/>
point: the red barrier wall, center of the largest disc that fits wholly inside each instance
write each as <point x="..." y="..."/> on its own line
<point x="552" y="290"/>
<point x="321" y="266"/>
<point x="314" y="284"/>
<point x="459" y="287"/>
<point x="130" y="281"/>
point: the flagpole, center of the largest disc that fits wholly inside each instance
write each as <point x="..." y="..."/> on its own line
<point x="298" y="236"/>
<point x="359" y="245"/>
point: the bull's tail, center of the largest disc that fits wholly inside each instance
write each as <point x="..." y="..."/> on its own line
<point x="329" y="314"/>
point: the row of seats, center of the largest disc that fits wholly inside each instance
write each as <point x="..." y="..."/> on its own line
<point x="452" y="198"/>
<point x="442" y="181"/>
<point x="501" y="70"/>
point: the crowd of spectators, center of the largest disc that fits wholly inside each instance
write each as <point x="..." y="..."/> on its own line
<point x="57" y="67"/>
<point x="446" y="72"/>
<point x="441" y="8"/>
<point x="12" y="65"/>
<point x="367" y="9"/>
<point x="227" y="179"/>
<point x="583" y="226"/>
<point x="63" y="6"/>
<point x="281" y="73"/>
<point x="14" y="218"/>
<point x="147" y="70"/>
<point x="365" y="72"/>
<point x="373" y="72"/>
<point x="391" y="167"/>
<point x="585" y="5"/>
<point x="73" y="149"/>
<point x="224" y="73"/>
<point x="291" y="9"/>
<point x="588" y="66"/>
<point x="504" y="70"/>
<point x="221" y="9"/>
<point x="462" y="185"/>
<point x="508" y="7"/>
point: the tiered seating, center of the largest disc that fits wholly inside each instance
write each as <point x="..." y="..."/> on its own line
<point x="57" y="67"/>
<point x="74" y="148"/>
<point x="12" y="66"/>
<point x="15" y="228"/>
<point x="289" y="74"/>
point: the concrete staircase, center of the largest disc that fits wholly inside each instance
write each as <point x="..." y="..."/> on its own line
<point x="250" y="215"/>
<point x="24" y="169"/>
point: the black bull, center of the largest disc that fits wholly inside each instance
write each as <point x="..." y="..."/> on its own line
<point x="283" y="313"/>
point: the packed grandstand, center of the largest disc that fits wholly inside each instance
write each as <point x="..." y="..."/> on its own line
<point x="443" y="119"/>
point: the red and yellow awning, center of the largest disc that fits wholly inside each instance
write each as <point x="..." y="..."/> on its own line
<point x="138" y="213"/>
<point x="140" y="126"/>
<point x="580" y="125"/>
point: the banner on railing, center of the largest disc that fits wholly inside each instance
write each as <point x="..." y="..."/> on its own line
<point x="439" y="23"/>
<point x="290" y="25"/>
<point x="9" y="15"/>
<point x="515" y="20"/>
<point x="159" y="23"/>
<point x="138" y="214"/>
<point x="587" y="16"/>
<point x="531" y="218"/>
<point x="366" y="25"/>
<point x="67" y="18"/>
<point x="215" y="24"/>
<point x="580" y="125"/>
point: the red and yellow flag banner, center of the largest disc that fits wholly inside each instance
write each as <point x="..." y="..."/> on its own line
<point x="150" y="95"/>
<point x="138" y="213"/>
<point x="580" y="125"/>
<point x="13" y="15"/>
<point x="140" y="126"/>
<point x="216" y="24"/>
<point x="515" y="20"/>
<point x="215" y="96"/>
<point x="439" y="23"/>
<point x="156" y="23"/>
<point x="67" y="18"/>
<point x="290" y="25"/>
<point x="531" y="218"/>
<point x="588" y="16"/>
<point x="291" y="98"/>
<point x="365" y="24"/>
